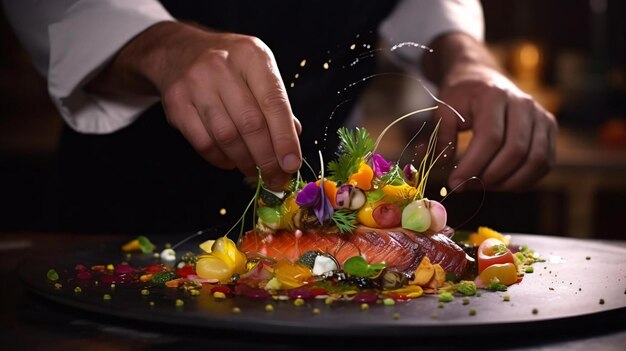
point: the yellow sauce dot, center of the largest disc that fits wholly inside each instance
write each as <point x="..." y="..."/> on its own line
<point x="223" y="211"/>
<point x="353" y="46"/>
<point x="325" y="65"/>
<point x="297" y="75"/>
<point x="302" y="63"/>
<point x="292" y="84"/>
<point x="443" y="192"/>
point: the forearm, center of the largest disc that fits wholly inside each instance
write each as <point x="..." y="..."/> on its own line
<point x="453" y="50"/>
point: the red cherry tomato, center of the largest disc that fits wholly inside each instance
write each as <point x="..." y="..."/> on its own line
<point x="489" y="255"/>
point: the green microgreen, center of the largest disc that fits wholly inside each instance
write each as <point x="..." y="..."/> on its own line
<point x="344" y="220"/>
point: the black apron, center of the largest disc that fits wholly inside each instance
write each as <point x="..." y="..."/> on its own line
<point x="146" y="177"/>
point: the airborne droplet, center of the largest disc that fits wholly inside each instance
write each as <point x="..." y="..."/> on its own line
<point x="443" y="192"/>
<point x="325" y="65"/>
<point x="302" y="63"/>
<point x="223" y="211"/>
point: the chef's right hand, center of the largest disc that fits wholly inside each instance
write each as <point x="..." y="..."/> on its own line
<point x="224" y="93"/>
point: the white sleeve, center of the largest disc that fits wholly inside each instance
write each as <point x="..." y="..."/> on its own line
<point x="71" y="41"/>
<point x="421" y="21"/>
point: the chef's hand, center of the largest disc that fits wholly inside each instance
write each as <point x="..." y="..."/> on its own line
<point x="513" y="145"/>
<point x="222" y="91"/>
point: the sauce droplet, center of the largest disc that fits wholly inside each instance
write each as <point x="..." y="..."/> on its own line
<point x="302" y="63"/>
<point x="292" y="84"/>
<point x="325" y="65"/>
<point x="223" y="211"/>
<point x="443" y="192"/>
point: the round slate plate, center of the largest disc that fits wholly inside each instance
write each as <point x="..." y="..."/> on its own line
<point x="581" y="282"/>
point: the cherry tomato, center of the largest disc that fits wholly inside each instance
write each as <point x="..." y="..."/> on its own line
<point x="488" y="255"/>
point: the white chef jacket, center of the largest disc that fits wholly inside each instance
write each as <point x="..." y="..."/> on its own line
<point x="70" y="41"/>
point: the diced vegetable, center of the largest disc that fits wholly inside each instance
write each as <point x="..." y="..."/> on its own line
<point x="505" y="273"/>
<point x="363" y="177"/>
<point x="467" y="288"/>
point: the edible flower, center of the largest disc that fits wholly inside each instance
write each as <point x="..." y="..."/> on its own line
<point x="379" y="165"/>
<point x="313" y="196"/>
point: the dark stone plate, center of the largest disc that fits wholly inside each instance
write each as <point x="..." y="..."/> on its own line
<point x="567" y="291"/>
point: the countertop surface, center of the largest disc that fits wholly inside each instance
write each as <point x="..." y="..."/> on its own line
<point x="28" y="321"/>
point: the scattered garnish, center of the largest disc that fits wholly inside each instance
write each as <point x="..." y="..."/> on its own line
<point x="446" y="297"/>
<point x="78" y="290"/>
<point x="52" y="275"/>
<point x="106" y="297"/>
<point x="472" y="311"/>
<point x="269" y="308"/>
<point x="179" y="303"/>
<point x="236" y="310"/>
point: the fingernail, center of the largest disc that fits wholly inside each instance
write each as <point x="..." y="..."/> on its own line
<point x="291" y="163"/>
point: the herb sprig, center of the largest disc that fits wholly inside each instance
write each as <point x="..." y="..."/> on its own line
<point x="344" y="220"/>
<point x="354" y="146"/>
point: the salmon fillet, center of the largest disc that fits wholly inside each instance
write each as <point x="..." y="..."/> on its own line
<point x="401" y="249"/>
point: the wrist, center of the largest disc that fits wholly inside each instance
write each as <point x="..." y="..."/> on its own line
<point x="137" y="66"/>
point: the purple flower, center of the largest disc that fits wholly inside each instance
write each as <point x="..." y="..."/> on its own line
<point x="313" y="196"/>
<point x="379" y="165"/>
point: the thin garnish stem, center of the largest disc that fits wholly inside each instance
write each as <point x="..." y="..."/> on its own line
<point x="380" y="137"/>
<point x="309" y="166"/>
<point x="411" y="141"/>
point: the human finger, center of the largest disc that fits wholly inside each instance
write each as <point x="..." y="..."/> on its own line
<point x="223" y="130"/>
<point x="251" y="125"/>
<point x="182" y="114"/>
<point x="520" y="116"/>
<point x="270" y="93"/>
<point x="487" y="112"/>
<point x="536" y="165"/>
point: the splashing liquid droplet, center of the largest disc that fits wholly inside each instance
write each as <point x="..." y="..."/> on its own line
<point x="353" y="46"/>
<point x="325" y="65"/>
<point x="302" y="63"/>
<point x="223" y="211"/>
<point x="443" y="192"/>
<point x="292" y="84"/>
<point x="297" y="75"/>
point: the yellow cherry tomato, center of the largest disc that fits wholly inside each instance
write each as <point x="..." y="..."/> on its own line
<point x="291" y="275"/>
<point x="363" y="177"/>
<point x="365" y="215"/>
<point x="505" y="272"/>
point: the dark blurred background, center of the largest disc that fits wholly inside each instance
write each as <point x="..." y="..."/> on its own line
<point x="569" y="54"/>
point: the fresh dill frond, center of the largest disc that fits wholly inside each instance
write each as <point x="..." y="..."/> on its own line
<point x="344" y="220"/>
<point x="354" y="146"/>
<point x="357" y="143"/>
